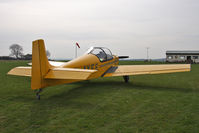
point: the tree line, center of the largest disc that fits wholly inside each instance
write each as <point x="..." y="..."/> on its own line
<point x="16" y="53"/>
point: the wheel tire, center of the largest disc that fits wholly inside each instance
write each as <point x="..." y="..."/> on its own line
<point x="38" y="97"/>
<point x="126" y="79"/>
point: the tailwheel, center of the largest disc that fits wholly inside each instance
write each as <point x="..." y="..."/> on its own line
<point x="38" y="94"/>
<point x="126" y="79"/>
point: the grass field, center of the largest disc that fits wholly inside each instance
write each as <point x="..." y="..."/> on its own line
<point x="167" y="103"/>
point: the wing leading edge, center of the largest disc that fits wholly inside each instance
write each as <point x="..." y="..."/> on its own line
<point x="125" y="70"/>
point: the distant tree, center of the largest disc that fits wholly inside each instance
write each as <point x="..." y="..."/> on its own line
<point x="48" y="53"/>
<point x="16" y="50"/>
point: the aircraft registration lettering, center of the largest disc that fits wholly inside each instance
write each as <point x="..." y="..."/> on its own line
<point x="91" y="66"/>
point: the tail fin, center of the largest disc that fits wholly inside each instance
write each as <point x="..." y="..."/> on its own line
<point x="40" y="64"/>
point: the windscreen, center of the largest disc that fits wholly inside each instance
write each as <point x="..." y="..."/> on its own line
<point x="108" y="53"/>
<point x="99" y="53"/>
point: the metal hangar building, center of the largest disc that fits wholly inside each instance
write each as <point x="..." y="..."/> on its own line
<point x="182" y="56"/>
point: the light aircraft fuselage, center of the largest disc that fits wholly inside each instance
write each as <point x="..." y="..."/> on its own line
<point x="96" y="62"/>
<point x="92" y="61"/>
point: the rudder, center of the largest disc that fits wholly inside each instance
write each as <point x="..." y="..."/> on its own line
<point x="40" y="64"/>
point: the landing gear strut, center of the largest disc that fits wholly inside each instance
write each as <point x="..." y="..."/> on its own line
<point x="38" y="94"/>
<point x="126" y="79"/>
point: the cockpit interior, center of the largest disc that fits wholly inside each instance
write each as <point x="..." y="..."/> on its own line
<point x="102" y="53"/>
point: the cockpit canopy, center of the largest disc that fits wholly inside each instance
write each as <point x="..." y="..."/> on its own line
<point x="102" y="53"/>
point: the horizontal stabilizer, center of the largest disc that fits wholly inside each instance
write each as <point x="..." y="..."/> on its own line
<point x="125" y="70"/>
<point x="20" y="71"/>
<point x="69" y="73"/>
<point x="55" y="73"/>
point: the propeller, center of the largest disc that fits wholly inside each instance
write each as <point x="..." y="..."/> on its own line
<point x="122" y="57"/>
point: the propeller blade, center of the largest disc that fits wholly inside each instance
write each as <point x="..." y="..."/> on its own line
<point x="122" y="57"/>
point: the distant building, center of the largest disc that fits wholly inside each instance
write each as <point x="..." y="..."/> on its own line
<point x="182" y="56"/>
<point x="27" y="57"/>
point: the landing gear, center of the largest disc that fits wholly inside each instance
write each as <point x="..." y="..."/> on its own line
<point x="38" y="94"/>
<point x="126" y="79"/>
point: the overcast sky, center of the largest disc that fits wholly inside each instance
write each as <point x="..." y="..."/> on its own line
<point x="126" y="27"/>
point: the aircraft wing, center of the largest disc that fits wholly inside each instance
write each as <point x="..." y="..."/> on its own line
<point x="53" y="63"/>
<point x="125" y="70"/>
<point x="55" y="73"/>
<point x="56" y="63"/>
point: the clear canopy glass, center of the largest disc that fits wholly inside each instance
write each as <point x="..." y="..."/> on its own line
<point x="102" y="53"/>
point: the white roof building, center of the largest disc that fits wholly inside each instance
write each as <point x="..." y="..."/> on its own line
<point x="189" y="56"/>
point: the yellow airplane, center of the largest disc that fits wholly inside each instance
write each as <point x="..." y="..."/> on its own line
<point x="97" y="62"/>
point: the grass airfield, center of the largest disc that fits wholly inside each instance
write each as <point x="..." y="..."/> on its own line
<point x="166" y="103"/>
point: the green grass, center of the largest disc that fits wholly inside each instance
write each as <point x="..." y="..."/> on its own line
<point x="167" y="103"/>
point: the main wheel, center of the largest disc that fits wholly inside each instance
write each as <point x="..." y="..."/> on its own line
<point x="126" y="79"/>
